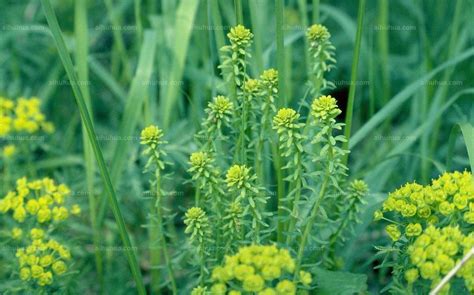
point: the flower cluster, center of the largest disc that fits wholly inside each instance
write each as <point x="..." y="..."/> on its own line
<point x="152" y="138"/>
<point x="257" y="268"/>
<point x="285" y="122"/>
<point x="324" y="108"/>
<point x="39" y="260"/>
<point x="238" y="177"/>
<point x="197" y="224"/>
<point x="240" y="36"/>
<point x="8" y="151"/>
<point x="322" y="54"/>
<point x="24" y="115"/>
<point x="451" y="196"/>
<point x="436" y="251"/>
<point x="317" y="33"/>
<point x="41" y="199"/>
<point x="219" y="111"/>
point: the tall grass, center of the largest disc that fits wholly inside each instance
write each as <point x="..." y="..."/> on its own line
<point x="86" y="119"/>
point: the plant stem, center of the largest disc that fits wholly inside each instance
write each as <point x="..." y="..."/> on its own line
<point x="309" y="225"/>
<point x="82" y="41"/>
<point x="352" y="88"/>
<point x="66" y="59"/>
<point x="315" y="11"/>
<point x="280" y="51"/>
<point x="280" y="191"/>
<point x="297" y="192"/>
<point x="164" y="247"/>
<point x="239" y="16"/>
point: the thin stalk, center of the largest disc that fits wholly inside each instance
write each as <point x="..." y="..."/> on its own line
<point x="164" y="247"/>
<point x="82" y="51"/>
<point x="352" y="88"/>
<point x="256" y="26"/>
<point x="315" y="11"/>
<point x="309" y="225"/>
<point x="280" y="51"/>
<point x="280" y="191"/>
<point x="118" y="40"/>
<point x="138" y="21"/>
<point x="297" y="188"/>
<point x="110" y="191"/>
<point x="239" y="16"/>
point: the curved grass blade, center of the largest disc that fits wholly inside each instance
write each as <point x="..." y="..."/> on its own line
<point x="468" y="133"/>
<point x="402" y="97"/>
<point x="66" y="59"/>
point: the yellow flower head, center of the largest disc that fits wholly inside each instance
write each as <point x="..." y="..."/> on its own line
<point x="253" y="283"/>
<point x="393" y="232"/>
<point x="270" y="77"/>
<point x="199" y="160"/>
<point x="411" y="275"/>
<point x="37" y="233"/>
<point x="324" y="108"/>
<point x="317" y="33"/>
<point x="197" y="223"/>
<point x="252" y="87"/>
<point x="8" y="151"/>
<point x="151" y="135"/>
<point x="17" y="233"/>
<point x="238" y="176"/>
<point x="413" y="229"/>
<point x="199" y="291"/>
<point x="285" y="119"/>
<point x="240" y="36"/>
<point x="221" y="107"/>
<point x="286" y="287"/>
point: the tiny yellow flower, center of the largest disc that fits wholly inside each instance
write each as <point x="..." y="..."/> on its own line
<point x="317" y="33"/>
<point x="411" y="275"/>
<point x="151" y="135"/>
<point x="59" y="267"/>
<point x="25" y="273"/>
<point x="253" y="283"/>
<point x="17" y="233"/>
<point x="9" y="151"/>
<point x="286" y="287"/>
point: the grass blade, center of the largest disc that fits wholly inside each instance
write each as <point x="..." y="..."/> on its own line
<point x="355" y="67"/>
<point x="402" y="97"/>
<point x="184" y="20"/>
<point x="66" y="59"/>
<point x="82" y="51"/>
<point x="133" y="107"/>
<point x="468" y="133"/>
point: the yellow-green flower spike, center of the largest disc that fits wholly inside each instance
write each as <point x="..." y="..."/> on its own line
<point x="325" y="107"/>
<point x="240" y="36"/>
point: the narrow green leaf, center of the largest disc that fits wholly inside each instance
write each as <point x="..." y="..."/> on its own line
<point x="66" y="59"/>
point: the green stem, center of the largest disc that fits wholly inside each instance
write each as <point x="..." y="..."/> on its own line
<point x="280" y="191"/>
<point x="110" y="191"/>
<point x="82" y="50"/>
<point x="280" y="51"/>
<point x="352" y="88"/>
<point x="239" y="16"/>
<point x="295" y="209"/>
<point x="162" y="239"/>
<point x="315" y="11"/>
<point x="309" y="225"/>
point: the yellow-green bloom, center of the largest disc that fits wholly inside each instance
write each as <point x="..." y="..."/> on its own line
<point x="240" y="36"/>
<point x="25" y="274"/>
<point x="151" y="135"/>
<point x="8" y="151"/>
<point x="220" y="108"/>
<point x="305" y="278"/>
<point x="325" y="107"/>
<point x="411" y="275"/>
<point x="286" y="118"/>
<point x="393" y="232"/>
<point x="197" y="223"/>
<point x="199" y="291"/>
<point x="270" y="78"/>
<point x="286" y="287"/>
<point x="317" y="33"/>
<point x="253" y="283"/>
<point x="378" y="215"/>
<point x="252" y="87"/>
<point x="17" y="233"/>
<point x="59" y="267"/>
<point x="238" y="176"/>
<point x="413" y="229"/>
